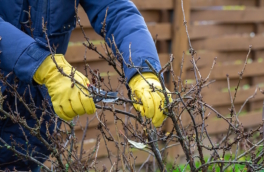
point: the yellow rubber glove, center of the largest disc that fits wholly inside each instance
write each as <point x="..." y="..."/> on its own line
<point x="67" y="102"/>
<point x="151" y="100"/>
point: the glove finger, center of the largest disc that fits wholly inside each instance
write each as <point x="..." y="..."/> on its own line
<point x="148" y="109"/>
<point x="144" y="85"/>
<point x="87" y="103"/>
<point x="84" y="79"/>
<point x="138" y="107"/>
<point x="77" y="106"/>
<point x="163" y="97"/>
<point x="157" y="102"/>
<point x="158" y="123"/>
<point x="60" y="112"/>
<point x="67" y="108"/>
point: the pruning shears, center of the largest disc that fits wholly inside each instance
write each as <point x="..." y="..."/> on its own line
<point x="101" y="95"/>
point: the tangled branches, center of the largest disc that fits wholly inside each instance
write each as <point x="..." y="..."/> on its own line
<point x="132" y="131"/>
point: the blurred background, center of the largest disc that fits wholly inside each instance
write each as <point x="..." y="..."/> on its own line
<point x="217" y="28"/>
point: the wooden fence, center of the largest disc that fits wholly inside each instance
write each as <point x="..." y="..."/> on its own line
<point x="225" y="29"/>
<point x="217" y="28"/>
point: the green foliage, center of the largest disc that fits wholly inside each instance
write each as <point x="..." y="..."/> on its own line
<point x="67" y="167"/>
<point x="216" y="167"/>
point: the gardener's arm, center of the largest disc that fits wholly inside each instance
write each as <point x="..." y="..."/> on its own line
<point x="128" y="26"/>
<point x="19" y="52"/>
<point x="29" y="60"/>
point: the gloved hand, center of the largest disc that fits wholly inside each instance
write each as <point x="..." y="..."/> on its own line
<point x="68" y="102"/>
<point x="151" y="100"/>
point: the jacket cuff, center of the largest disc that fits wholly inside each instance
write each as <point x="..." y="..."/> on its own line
<point x="29" y="61"/>
<point x="130" y="72"/>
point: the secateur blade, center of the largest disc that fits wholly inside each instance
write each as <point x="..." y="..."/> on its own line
<point x="101" y="95"/>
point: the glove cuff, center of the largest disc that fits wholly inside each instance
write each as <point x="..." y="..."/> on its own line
<point x="47" y="67"/>
<point x="138" y="78"/>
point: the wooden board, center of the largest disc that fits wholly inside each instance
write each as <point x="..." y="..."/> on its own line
<point x="229" y="16"/>
<point x="77" y="35"/>
<point x="179" y="38"/>
<point x="225" y="110"/>
<point x="75" y="54"/>
<point x="153" y="4"/>
<point x="93" y="132"/>
<point x="179" y="45"/>
<point x="230" y="43"/>
<point x="83" y="17"/>
<point x="163" y="30"/>
<point x="220" y="72"/>
<point x="206" y="3"/>
<point x="206" y="58"/>
<point x="249" y="120"/>
<point x="221" y="85"/>
<point x="140" y="158"/>
<point x="92" y="121"/>
<point x="149" y="16"/>
<point x="102" y="159"/>
<point x="207" y="31"/>
<point x="222" y="98"/>
<point x="256" y="106"/>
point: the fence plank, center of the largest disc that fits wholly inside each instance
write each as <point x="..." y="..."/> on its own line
<point x="225" y="109"/>
<point x="205" y="3"/>
<point x="102" y="160"/>
<point x="179" y="39"/>
<point x="93" y="121"/>
<point x="168" y="4"/>
<point x="249" y="120"/>
<point x="153" y="4"/>
<point x="223" y="58"/>
<point x="83" y="17"/>
<point x="149" y="16"/>
<point x="77" y="35"/>
<point x="75" y="54"/>
<point x="179" y="44"/>
<point x="229" y="16"/>
<point x="261" y="3"/>
<point x="140" y="158"/>
<point x="163" y="30"/>
<point x="221" y="85"/>
<point x="222" y="98"/>
<point x="230" y="43"/>
<point x="205" y="31"/>
<point x="219" y="72"/>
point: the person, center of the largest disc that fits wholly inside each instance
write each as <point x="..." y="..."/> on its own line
<point x="27" y="61"/>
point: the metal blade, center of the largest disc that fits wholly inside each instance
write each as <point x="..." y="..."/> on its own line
<point x="105" y="96"/>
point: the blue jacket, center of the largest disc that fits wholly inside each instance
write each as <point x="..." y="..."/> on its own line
<point x="22" y="54"/>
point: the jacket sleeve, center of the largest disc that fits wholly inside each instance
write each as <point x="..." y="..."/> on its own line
<point x="20" y="53"/>
<point x="128" y="26"/>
